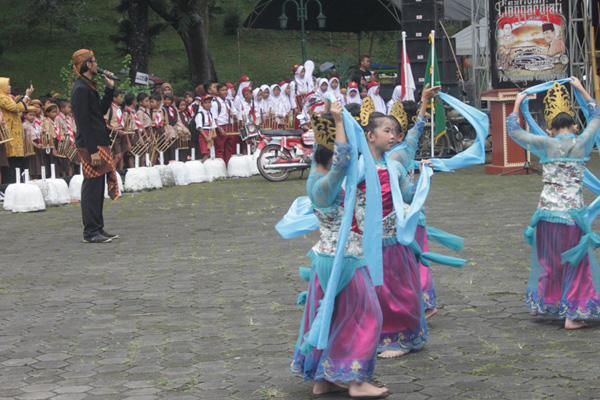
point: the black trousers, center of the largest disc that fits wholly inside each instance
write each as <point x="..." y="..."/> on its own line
<point x="92" y="201"/>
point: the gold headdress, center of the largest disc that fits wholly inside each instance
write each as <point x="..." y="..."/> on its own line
<point x="557" y="101"/>
<point x="324" y="130"/>
<point x="366" y="110"/>
<point x="398" y="112"/>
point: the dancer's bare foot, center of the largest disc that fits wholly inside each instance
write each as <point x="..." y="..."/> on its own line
<point x="430" y="313"/>
<point x="391" y="353"/>
<point x="323" y="387"/>
<point x="534" y="313"/>
<point x="575" y="324"/>
<point x="367" y="391"/>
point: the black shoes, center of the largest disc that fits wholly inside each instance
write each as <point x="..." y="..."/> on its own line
<point x="108" y="235"/>
<point x="97" y="239"/>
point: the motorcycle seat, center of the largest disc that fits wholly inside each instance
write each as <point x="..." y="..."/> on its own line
<point x="281" y="132"/>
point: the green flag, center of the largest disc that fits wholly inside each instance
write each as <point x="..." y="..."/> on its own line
<point x="439" y="118"/>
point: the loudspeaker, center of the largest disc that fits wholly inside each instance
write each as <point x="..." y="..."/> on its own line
<point x="423" y="11"/>
<point x="447" y="72"/>
<point x="418" y="49"/>
<point x="422" y="29"/>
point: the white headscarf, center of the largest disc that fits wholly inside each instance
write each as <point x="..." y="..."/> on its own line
<point x="285" y="100"/>
<point x="319" y="91"/>
<point x="239" y="97"/>
<point x="301" y="86"/>
<point x="377" y="99"/>
<point x="396" y="96"/>
<point x="276" y="101"/>
<point x="353" y="99"/>
<point x="265" y="105"/>
<point x="336" y="91"/>
<point x="292" y="96"/>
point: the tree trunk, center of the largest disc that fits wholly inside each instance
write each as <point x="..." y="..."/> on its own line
<point x="197" y="52"/>
<point x="139" y="44"/>
<point x="192" y="33"/>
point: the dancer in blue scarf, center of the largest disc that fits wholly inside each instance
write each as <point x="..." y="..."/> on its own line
<point x="350" y="354"/>
<point x="563" y="279"/>
<point x="404" y="327"/>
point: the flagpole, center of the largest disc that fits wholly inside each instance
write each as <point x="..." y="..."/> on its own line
<point x="404" y="69"/>
<point x="432" y="72"/>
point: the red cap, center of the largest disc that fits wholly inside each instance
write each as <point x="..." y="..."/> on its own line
<point x="244" y="78"/>
<point x="372" y="84"/>
<point x="353" y="85"/>
<point x="229" y="85"/>
<point x="334" y="76"/>
<point x="282" y="83"/>
<point x="246" y="90"/>
<point x="205" y="98"/>
<point x="296" y="67"/>
<point x="288" y="80"/>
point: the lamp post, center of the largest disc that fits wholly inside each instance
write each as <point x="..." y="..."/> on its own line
<point x="301" y="15"/>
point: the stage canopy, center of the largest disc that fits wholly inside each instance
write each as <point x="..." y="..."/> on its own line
<point x="342" y="16"/>
<point x="346" y="15"/>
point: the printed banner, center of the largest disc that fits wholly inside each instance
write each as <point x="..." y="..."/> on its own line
<point x="528" y="39"/>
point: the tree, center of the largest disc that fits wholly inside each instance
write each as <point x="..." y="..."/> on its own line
<point x="187" y="17"/>
<point x="136" y="34"/>
<point x="65" y="14"/>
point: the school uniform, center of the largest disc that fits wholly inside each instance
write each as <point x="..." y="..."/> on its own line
<point x="114" y="118"/>
<point x="205" y="121"/>
<point x="227" y="124"/>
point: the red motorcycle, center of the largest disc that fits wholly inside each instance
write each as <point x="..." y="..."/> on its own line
<point x="281" y="151"/>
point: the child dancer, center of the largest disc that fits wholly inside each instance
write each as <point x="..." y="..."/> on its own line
<point x="559" y="287"/>
<point x="404" y="327"/>
<point x="350" y="355"/>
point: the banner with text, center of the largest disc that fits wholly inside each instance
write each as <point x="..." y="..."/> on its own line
<point x="528" y="42"/>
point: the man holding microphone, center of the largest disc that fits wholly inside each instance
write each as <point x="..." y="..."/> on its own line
<point x="93" y="145"/>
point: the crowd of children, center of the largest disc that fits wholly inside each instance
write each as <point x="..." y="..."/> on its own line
<point x="180" y="127"/>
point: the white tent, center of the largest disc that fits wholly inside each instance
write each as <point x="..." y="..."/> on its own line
<point x="464" y="39"/>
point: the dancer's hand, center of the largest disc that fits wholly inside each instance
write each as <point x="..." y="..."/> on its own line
<point x="429" y="93"/>
<point x="576" y="83"/>
<point x="336" y="111"/>
<point x="518" y="100"/>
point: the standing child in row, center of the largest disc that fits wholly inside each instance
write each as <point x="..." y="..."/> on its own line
<point x="205" y="125"/>
<point x="225" y="144"/>
<point x="114" y="121"/>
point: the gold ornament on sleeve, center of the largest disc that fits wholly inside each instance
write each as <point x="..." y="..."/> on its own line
<point x="557" y="101"/>
<point x="324" y="130"/>
<point x="398" y="112"/>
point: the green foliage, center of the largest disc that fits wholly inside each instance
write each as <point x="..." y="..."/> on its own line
<point x="65" y="14"/>
<point x="126" y="86"/>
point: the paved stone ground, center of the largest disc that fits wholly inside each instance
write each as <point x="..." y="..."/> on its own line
<point x="197" y="301"/>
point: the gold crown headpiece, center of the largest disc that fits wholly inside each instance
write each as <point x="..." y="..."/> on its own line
<point x="557" y="101"/>
<point x="366" y="109"/>
<point x="324" y="130"/>
<point x="398" y="112"/>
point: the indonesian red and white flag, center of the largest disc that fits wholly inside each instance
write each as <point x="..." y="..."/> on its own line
<point x="408" y="82"/>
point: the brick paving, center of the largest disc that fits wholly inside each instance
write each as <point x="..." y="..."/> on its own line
<point x="197" y="300"/>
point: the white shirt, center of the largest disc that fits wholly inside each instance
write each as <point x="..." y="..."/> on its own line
<point x="204" y="120"/>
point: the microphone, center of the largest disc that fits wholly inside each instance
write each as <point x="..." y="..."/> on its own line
<point x="108" y="74"/>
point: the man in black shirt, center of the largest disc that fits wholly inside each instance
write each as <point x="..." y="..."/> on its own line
<point x="362" y="76"/>
<point x="93" y="145"/>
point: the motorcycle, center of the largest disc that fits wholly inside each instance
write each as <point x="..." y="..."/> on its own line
<point x="281" y="152"/>
<point x="284" y="152"/>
